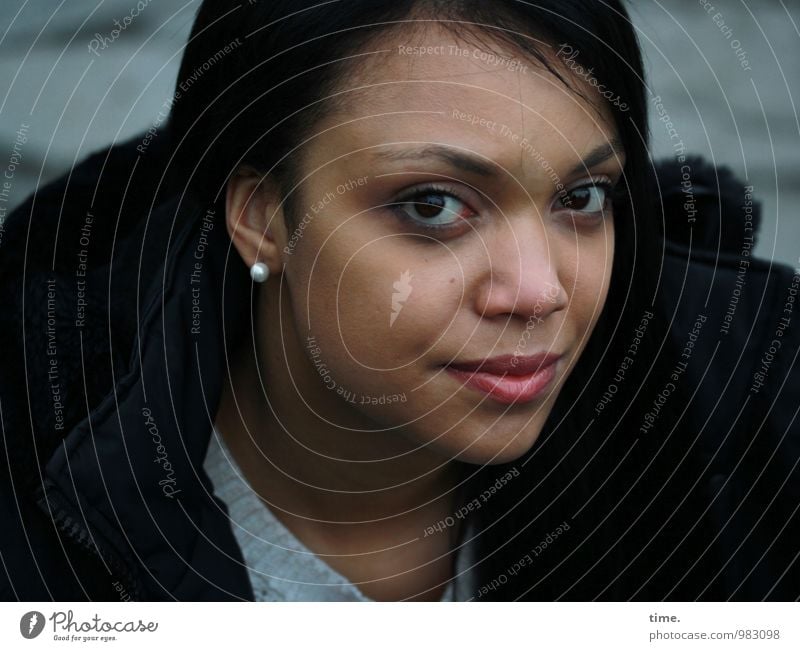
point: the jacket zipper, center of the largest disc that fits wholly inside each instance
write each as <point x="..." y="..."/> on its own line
<point x="64" y="516"/>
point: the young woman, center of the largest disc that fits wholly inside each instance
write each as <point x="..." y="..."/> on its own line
<point x="387" y="312"/>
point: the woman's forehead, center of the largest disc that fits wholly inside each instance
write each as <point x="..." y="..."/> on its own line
<point x="522" y="140"/>
<point x="441" y="89"/>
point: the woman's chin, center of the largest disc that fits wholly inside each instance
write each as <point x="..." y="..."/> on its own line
<point x="485" y="448"/>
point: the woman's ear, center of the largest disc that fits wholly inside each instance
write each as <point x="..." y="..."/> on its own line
<point x="254" y="218"/>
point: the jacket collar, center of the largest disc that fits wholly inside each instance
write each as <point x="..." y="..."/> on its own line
<point x="129" y="476"/>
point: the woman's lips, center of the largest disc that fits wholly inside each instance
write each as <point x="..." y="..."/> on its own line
<point x="509" y="379"/>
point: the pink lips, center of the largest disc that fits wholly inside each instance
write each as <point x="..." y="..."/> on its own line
<point x="508" y="379"/>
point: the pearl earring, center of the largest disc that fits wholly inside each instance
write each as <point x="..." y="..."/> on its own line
<point x="259" y="272"/>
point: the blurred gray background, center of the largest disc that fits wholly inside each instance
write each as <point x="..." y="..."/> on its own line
<point x="65" y="100"/>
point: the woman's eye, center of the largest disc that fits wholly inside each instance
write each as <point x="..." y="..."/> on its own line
<point x="587" y="198"/>
<point x="432" y="208"/>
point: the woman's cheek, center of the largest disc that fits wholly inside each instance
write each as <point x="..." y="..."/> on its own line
<point x="592" y="286"/>
<point x="390" y="307"/>
<point x="377" y="366"/>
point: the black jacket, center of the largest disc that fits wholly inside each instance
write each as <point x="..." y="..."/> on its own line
<point x="115" y="307"/>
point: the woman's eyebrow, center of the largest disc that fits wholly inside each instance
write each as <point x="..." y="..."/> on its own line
<point x="483" y="167"/>
<point x="599" y="154"/>
<point x="450" y="155"/>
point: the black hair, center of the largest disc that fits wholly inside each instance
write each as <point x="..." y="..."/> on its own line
<point x="255" y="79"/>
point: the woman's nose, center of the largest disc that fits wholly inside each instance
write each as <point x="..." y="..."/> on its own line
<point x="522" y="275"/>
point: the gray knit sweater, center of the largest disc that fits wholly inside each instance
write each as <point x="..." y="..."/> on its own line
<point x="280" y="567"/>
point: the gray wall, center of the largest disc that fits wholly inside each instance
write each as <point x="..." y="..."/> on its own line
<point x="66" y="100"/>
<point x="746" y="119"/>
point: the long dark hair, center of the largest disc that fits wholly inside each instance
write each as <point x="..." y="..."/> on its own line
<point x="254" y="80"/>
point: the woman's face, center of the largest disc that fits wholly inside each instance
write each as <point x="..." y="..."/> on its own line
<point x="446" y="218"/>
